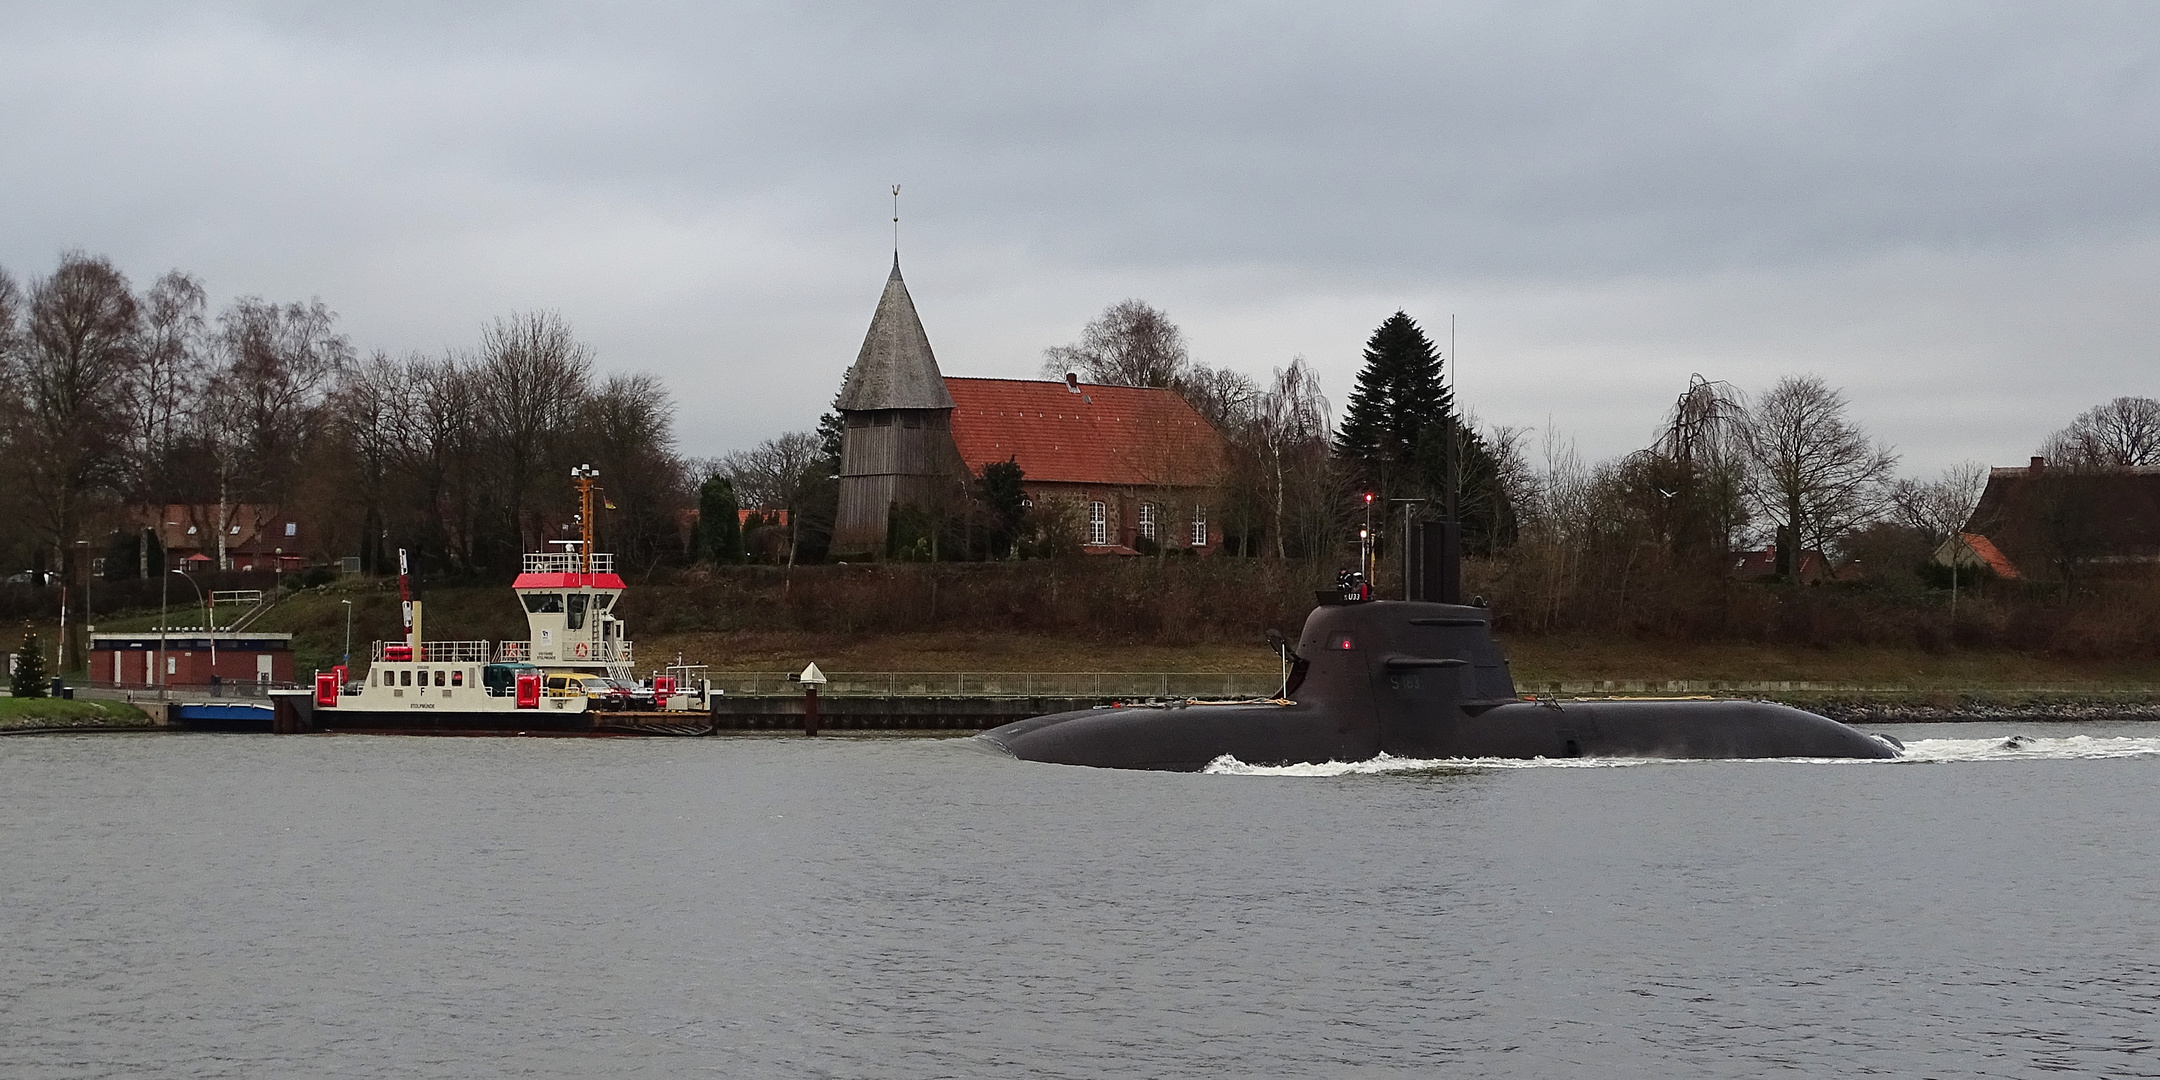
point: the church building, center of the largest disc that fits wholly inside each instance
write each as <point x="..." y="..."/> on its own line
<point x="1136" y="465"/>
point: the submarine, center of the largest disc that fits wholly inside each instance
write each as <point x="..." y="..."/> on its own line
<point x="1417" y="679"/>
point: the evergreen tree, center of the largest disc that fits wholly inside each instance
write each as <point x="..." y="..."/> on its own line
<point x="1396" y="430"/>
<point x="719" y="521"/>
<point x="29" y="675"/>
<point x="1399" y="399"/>
<point x="1005" y="496"/>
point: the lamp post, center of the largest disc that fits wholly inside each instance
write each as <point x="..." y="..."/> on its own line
<point x="347" y="662"/>
<point x="1365" y="540"/>
<point x="209" y="621"/>
<point x="83" y="654"/>
<point x="164" y="597"/>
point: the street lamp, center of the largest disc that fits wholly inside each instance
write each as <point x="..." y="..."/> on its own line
<point x="164" y="594"/>
<point x="1365" y="538"/>
<point x="348" y="633"/>
<point x="83" y="654"/>
<point x="209" y="621"/>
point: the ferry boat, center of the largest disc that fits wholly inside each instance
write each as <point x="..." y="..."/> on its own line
<point x="572" y="674"/>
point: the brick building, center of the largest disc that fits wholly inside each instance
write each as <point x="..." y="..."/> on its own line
<point x="1138" y="464"/>
<point x="131" y="660"/>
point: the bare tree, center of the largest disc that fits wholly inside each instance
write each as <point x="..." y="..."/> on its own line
<point x="1129" y="344"/>
<point x="629" y="427"/>
<point x="277" y="364"/>
<point x="71" y="367"/>
<point x="1691" y="480"/>
<point x="777" y="473"/>
<point x="169" y="382"/>
<point x="1812" y="469"/>
<point x="1939" y="509"/>
<point x="531" y="377"/>
<point x="2124" y="432"/>
<point x="1290" y="426"/>
<point x="1223" y="397"/>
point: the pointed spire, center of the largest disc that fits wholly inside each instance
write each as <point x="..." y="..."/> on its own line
<point x="895" y="369"/>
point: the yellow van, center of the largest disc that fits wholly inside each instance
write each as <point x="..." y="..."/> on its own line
<point x="604" y="694"/>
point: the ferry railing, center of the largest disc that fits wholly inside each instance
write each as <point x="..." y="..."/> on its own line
<point x="455" y="652"/>
<point x="446" y="652"/>
<point x="520" y="652"/>
<point x="568" y="562"/>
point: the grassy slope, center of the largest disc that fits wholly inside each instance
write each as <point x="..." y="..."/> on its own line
<point x="82" y="712"/>
<point x="317" y="618"/>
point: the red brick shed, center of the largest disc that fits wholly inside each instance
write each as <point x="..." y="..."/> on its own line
<point x="131" y="660"/>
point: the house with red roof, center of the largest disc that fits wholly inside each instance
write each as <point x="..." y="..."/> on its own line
<point x="1972" y="551"/>
<point x="1135" y="466"/>
<point x="238" y="536"/>
<point x="2054" y="522"/>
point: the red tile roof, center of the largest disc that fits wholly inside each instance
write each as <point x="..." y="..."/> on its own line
<point x="1990" y="554"/>
<point x="1120" y="435"/>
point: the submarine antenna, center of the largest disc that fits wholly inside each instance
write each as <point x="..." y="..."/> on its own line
<point x="1454" y="378"/>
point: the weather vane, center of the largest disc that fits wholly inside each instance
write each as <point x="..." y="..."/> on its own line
<point x="896" y="222"/>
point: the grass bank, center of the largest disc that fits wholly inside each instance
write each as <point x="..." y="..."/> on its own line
<point x="20" y="713"/>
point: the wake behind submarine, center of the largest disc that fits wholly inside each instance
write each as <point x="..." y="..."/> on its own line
<point x="1413" y="679"/>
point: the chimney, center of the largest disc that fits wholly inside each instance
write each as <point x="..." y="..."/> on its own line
<point x="2038" y="465"/>
<point x="1072" y="382"/>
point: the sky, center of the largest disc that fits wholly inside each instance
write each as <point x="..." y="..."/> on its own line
<point x="1949" y="211"/>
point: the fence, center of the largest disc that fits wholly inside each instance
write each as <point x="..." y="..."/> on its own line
<point x="969" y="684"/>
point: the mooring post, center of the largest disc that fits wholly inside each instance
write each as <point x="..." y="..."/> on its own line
<point x="811" y="678"/>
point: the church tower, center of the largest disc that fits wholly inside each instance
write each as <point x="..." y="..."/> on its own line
<point x="897" y="448"/>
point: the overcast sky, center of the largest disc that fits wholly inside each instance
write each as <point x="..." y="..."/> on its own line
<point x="1951" y="211"/>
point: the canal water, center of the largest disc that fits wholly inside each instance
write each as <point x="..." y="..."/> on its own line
<point x="260" y="906"/>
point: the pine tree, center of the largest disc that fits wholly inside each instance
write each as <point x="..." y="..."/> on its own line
<point x="1396" y="430"/>
<point x="719" y="521"/>
<point x="1398" y="401"/>
<point x="28" y="679"/>
<point x="1003" y="492"/>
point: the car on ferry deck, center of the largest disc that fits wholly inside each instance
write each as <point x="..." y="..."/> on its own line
<point x="602" y="690"/>
<point x="638" y="695"/>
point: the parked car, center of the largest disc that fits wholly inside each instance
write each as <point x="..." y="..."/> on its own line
<point x="501" y="679"/>
<point x="602" y="690"/>
<point x="640" y="697"/>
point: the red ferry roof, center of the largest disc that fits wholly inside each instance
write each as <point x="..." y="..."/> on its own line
<point x="567" y="581"/>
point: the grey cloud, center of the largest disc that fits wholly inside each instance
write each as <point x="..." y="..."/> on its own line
<point x="700" y="190"/>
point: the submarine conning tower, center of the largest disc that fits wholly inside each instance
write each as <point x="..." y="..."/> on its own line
<point x="1444" y="647"/>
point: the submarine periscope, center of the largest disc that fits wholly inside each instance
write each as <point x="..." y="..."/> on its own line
<point x="1418" y="679"/>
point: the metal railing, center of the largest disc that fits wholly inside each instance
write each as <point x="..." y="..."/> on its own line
<point x="568" y="562"/>
<point x="456" y="652"/>
<point x="613" y="652"/>
<point x="998" y="684"/>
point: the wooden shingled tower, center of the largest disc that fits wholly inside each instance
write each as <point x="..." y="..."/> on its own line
<point x="897" y="449"/>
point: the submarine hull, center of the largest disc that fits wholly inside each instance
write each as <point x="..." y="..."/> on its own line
<point x="1188" y="738"/>
<point x="1418" y="680"/>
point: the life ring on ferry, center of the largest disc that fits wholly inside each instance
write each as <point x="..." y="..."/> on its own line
<point x="581" y="650"/>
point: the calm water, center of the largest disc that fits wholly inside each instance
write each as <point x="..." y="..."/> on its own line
<point x="267" y="906"/>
